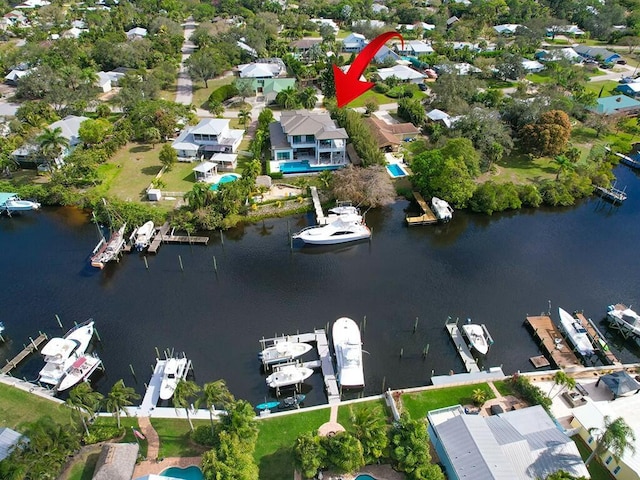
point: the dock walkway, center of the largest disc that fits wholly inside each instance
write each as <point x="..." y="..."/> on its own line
<point x="551" y="341"/>
<point x="163" y="236"/>
<point x="320" y="220"/>
<point x="631" y="162"/>
<point x="461" y="346"/>
<point x="152" y="395"/>
<point x="427" y="217"/>
<point x="318" y="336"/>
<point x="598" y="341"/>
<point x="28" y="349"/>
<point x="612" y="194"/>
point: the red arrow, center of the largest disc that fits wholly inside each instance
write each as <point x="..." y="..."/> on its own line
<point x="348" y="85"/>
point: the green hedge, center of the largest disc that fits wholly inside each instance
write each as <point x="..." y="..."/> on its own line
<point x="225" y="92"/>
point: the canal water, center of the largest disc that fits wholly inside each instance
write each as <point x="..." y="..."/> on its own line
<point x="492" y="269"/>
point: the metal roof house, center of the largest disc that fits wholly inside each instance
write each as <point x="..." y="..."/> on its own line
<point x="630" y="89"/>
<point x="211" y="135"/>
<point x="8" y="440"/>
<point x="616" y="105"/>
<point x="522" y="444"/>
<point x="401" y="72"/>
<point x="595" y="53"/>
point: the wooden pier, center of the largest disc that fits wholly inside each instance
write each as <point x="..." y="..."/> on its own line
<point x="598" y="341"/>
<point x="461" y="346"/>
<point x="163" y="236"/>
<point x="320" y="220"/>
<point x="152" y="395"/>
<point x="28" y="349"/>
<point x="319" y="337"/>
<point x="552" y="342"/>
<point x="427" y="217"/>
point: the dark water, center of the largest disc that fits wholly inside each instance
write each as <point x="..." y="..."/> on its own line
<point x="495" y="270"/>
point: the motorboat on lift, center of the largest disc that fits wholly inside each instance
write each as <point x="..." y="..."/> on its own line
<point x="346" y="228"/>
<point x="60" y="353"/>
<point x="11" y="202"/>
<point x="348" y="348"/>
<point x="442" y="209"/>
<point x="478" y="337"/>
<point x="79" y="371"/>
<point x="344" y="207"/>
<point x="174" y="370"/>
<point x="143" y="235"/>
<point x="283" y="352"/>
<point x="625" y="319"/>
<point x="288" y="375"/>
<point x="576" y="333"/>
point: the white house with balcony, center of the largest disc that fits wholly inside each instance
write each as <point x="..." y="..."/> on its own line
<point x="210" y="136"/>
<point x="354" y="43"/>
<point x="307" y="141"/>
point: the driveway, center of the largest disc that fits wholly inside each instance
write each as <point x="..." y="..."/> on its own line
<point x="184" y="88"/>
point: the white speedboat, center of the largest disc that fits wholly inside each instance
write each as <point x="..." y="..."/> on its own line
<point x="283" y="352"/>
<point x="61" y="353"/>
<point x="108" y="251"/>
<point x="478" y="337"/>
<point x="442" y="209"/>
<point x="348" y="347"/>
<point x="343" y="208"/>
<point x="346" y="228"/>
<point x="80" y="370"/>
<point x="288" y="375"/>
<point x="174" y="370"/>
<point x="143" y="235"/>
<point x="625" y="319"/>
<point x="11" y="202"/>
<point x="576" y="333"/>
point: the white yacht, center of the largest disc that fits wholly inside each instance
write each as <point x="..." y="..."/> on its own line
<point x="478" y="337"/>
<point x="283" y="352"/>
<point x="442" y="209"/>
<point x="625" y="320"/>
<point x="348" y="349"/>
<point x="288" y="375"/>
<point x="144" y="235"/>
<point x="80" y="370"/>
<point x="60" y="353"/>
<point x="174" y="370"/>
<point x="346" y="228"/>
<point x="575" y="333"/>
<point x="11" y="202"/>
<point x="344" y="207"/>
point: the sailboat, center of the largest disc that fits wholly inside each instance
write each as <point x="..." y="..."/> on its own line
<point x="107" y="250"/>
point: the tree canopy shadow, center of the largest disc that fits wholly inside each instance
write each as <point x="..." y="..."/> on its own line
<point x="277" y="466"/>
<point x="140" y="149"/>
<point x="151" y="170"/>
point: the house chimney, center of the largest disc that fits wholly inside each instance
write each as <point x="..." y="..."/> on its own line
<point x="619" y="99"/>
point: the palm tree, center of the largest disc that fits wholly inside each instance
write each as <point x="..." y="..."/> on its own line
<point x="198" y="196"/>
<point x="84" y="401"/>
<point x="216" y="393"/>
<point x="287" y="98"/>
<point x="564" y="165"/>
<point x="369" y="427"/>
<point x="244" y="116"/>
<point x="559" y="378"/>
<point x="185" y="391"/>
<point x="617" y="437"/>
<point x="119" y="397"/>
<point x="252" y="169"/>
<point x="567" y="384"/>
<point x="52" y="143"/>
<point x="308" y="98"/>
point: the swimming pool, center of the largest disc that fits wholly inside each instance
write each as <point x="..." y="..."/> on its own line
<point x="304" y="167"/>
<point x="365" y="476"/>
<point x="396" y="170"/>
<point x="189" y="473"/>
<point x="225" y="178"/>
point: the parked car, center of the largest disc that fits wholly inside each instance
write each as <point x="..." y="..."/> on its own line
<point x="622" y="61"/>
<point x="422" y="87"/>
<point x="606" y="65"/>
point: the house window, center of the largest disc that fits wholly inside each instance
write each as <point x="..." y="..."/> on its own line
<point x="617" y="470"/>
<point x="311" y="139"/>
<point x="590" y="440"/>
<point x="297" y="139"/>
<point x="608" y="460"/>
<point x="283" y="156"/>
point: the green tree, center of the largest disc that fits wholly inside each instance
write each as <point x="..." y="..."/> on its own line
<point x="370" y="106"/>
<point x="103" y="110"/>
<point x="562" y="475"/>
<point x="244" y="116"/>
<point x="344" y="452"/>
<point x="93" y="132"/>
<point x="549" y="135"/>
<point x="287" y="98"/>
<point x="84" y="401"/>
<point x="185" y="393"/>
<point x="231" y="460"/>
<point x="240" y="421"/>
<point x="245" y="88"/>
<point x="168" y="156"/>
<point x="199" y="196"/>
<point x="215" y="107"/>
<point x="410" y="447"/>
<point x="52" y="143"/>
<point x="152" y="135"/>
<point x="216" y="393"/>
<point x="205" y="64"/>
<point x="479" y="396"/>
<point x="309" y="454"/>
<point x="616" y="437"/>
<point x="264" y="119"/>
<point x="307" y="97"/>
<point x="564" y="165"/>
<point x="119" y="397"/>
<point x="369" y="427"/>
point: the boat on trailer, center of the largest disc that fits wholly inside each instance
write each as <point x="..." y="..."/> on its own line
<point x="576" y="333"/>
<point x="478" y="337"/>
<point x="348" y="348"/>
<point x="283" y="352"/>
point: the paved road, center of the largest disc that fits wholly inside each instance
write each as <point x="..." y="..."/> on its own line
<point x="184" y="89"/>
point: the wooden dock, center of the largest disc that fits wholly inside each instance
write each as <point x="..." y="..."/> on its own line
<point x="163" y="236"/>
<point x="427" y="217"/>
<point x="598" y="341"/>
<point x="319" y="337"/>
<point x="28" y="349"/>
<point x="612" y="194"/>
<point x="552" y="342"/>
<point x="461" y="346"/>
<point x="152" y="395"/>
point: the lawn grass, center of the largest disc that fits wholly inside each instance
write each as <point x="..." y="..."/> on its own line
<point x="367" y="96"/>
<point x="175" y="437"/>
<point x="201" y="93"/>
<point x="27" y="177"/>
<point x="346" y="411"/>
<point x="504" y="387"/>
<point x="540" y="77"/>
<point x="596" y="469"/>
<point x="520" y="169"/>
<point x="130" y="171"/>
<point x="84" y="470"/>
<point x="276" y="438"/>
<point x="180" y="178"/>
<point x="18" y="407"/>
<point x="606" y="87"/>
<point x="170" y="93"/>
<point x="418" y="404"/>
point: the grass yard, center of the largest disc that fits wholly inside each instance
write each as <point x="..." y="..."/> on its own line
<point x="201" y="94"/>
<point x="18" y="407"/>
<point x="175" y="438"/>
<point x="84" y="466"/>
<point x="504" y="387"/>
<point x="540" y="77"/>
<point x="519" y="169"/>
<point x="170" y="93"/>
<point x="276" y="437"/>
<point x="418" y="404"/>
<point x="370" y="95"/>
<point x="130" y="171"/>
<point x="346" y="411"/>
<point x="606" y="87"/>
<point x="180" y="178"/>
<point x="596" y="469"/>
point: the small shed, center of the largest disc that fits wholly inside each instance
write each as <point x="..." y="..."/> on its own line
<point x="620" y="383"/>
<point x="116" y="461"/>
<point x="205" y="171"/>
<point x="154" y="195"/>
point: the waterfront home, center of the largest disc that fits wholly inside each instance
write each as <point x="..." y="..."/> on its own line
<point x="354" y="43"/>
<point x="524" y="444"/>
<point x="413" y="48"/>
<point x="616" y="105"/>
<point x="389" y="136"/>
<point x="403" y="73"/>
<point x="27" y="155"/>
<point x="8" y="440"/>
<point x="211" y="135"/>
<point x="307" y="141"/>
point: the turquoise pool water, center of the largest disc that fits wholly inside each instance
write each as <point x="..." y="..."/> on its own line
<point x="304" y="167"/>
<point x="364" y="476"/>
<point x="226" y="178"/>
<point x="395" y="170"/>
<point x="189" y="473"/>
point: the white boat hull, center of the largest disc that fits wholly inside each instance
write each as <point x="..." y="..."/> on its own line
<point x="109" y="250"/>
<point x="80" y="370"/>
<point x="144" y="234"/>
<point x="283" y="352"/>
<point x="174" y="370"/>
<point x="477" y="338"/>
<point x="347" y="344"/>
<point x="576" y="333"/>
<point x="288" y="375"/>
<point x="16" y="205"/>
<point x="442" y="209"/>
<point x="60" y="353"/>
<point x="625" y="319"/>
<point x="346" y="228"/>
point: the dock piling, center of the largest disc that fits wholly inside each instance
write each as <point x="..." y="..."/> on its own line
<point x="132" y="370"/>
<point x="364" y="324"/>
<point x="215" y="264"/>
<point x="59" y="322"/>
<point x="415" y="325"/>
<point x="221" y="238"/>
<point x="425" y="351"/>
<point x="146" y="264"/>
<point x="384" y="380"/>
<point x="97" y="334"/>
<point x="181" y="266"/>
<point x="401" y="352"/>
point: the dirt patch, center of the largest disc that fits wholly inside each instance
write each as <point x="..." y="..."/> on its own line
<point x="88" y="456"/>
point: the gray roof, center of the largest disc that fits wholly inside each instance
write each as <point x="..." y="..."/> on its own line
<point x="8" y="438"/>
<point x="594" y="52"/>
<point x="116" y="462"/>
<point x="521" y="444"/>
<point x="277" y="137"/>
<point x="70" y="125"/>
<point x="305" y="122"/>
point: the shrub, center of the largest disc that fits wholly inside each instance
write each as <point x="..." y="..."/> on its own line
<point x="276" y="175"/>
<point x="381" y="88"/>
<point x="101" y="433"/>
<point x="225" y="92"/>
<point x="530" y="392"/>
<point x="202" y="435"/>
